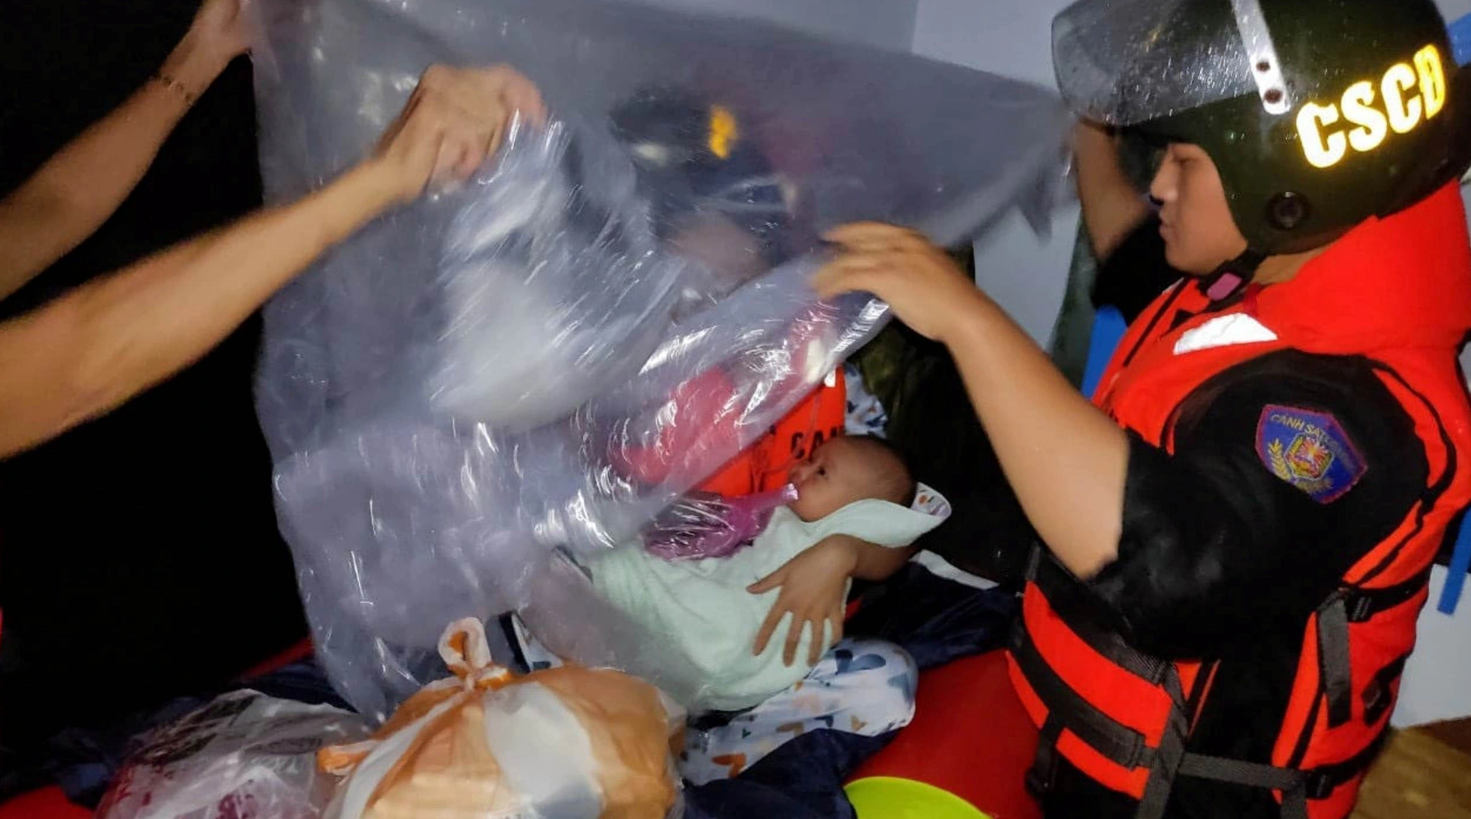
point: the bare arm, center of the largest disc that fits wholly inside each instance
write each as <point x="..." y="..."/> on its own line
<point x="1112" y="205"/>
<point x="78" y="188"/>
<point x="1065" y="458"/>
<point x="87" y="352"/>
<point x="92" y="349"/>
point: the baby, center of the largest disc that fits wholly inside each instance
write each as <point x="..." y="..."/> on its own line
<point x="851" y="486"/>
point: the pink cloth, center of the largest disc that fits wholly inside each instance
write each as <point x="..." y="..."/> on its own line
<point x="704" y="525"/>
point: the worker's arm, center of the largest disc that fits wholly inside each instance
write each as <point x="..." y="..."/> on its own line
<point x="1065" y="458"/>
<point x="78" y="188"/>
<point x="83" y="354"/>
<point x="1112" y="205"/>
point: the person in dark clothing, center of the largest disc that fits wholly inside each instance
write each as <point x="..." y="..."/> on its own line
<point x="1237" y="532"/>
<point x="110" y="569"/>
<point x="1120" y="225"/>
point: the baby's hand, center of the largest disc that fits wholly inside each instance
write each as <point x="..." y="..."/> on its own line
<point x="814" y="587"/>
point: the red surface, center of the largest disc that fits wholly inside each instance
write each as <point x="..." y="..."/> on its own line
<point x="49" y="803"/>
<point x="296" y="653"/>
<point x="970" y="736"/>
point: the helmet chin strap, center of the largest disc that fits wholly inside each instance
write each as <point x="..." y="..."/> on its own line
<point x="1233" y="276"/>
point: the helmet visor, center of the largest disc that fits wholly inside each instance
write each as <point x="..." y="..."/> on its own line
<point x="1126" y="62"/>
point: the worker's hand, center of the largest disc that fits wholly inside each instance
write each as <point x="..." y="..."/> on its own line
<point x="220" y="29"/>
<point x="814" y="587"/>
<point x="218" y="35"/>
<point x="454" y="120"/>
<point x="920" y="282"/>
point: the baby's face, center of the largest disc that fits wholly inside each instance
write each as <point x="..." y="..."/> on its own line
<point x="841" y="472"/>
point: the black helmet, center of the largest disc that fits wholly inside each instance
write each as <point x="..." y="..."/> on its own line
<point x="1319" y="114"/>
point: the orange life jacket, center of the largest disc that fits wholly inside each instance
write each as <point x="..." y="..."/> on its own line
<point x="703" y="423"/>
<point x="763" y="466"/>
<point x="1396" y="291"/>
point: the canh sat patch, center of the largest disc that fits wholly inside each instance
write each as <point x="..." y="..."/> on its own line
<point x="1309" y="450"/>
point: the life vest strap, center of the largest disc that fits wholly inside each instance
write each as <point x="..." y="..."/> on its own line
<point x="1068" y="710"/>
<point x="1377" y="697"/>
<point x="1334" y="616"/>
<point x="1296" y="786"/>
<point x="1171" y="755"/>
<point x="1061" y="589"/>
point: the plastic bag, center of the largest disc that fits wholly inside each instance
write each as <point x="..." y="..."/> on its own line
<point x="548" y="356"/>
<point x="243" y="756"/>
<point x="703" y="525"/>
<point x="564" y="743"/>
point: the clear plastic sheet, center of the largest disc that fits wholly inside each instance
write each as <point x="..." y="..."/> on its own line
<point x="548" y="356"/>
<point x="242" y="756"/>
<point x="1125" y="62"/>
<point x="703" y="525"/>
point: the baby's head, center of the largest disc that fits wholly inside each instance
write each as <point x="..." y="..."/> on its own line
<point x="846" y="470"/>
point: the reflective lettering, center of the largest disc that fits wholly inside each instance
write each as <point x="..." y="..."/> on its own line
<point x="1373" y="126"/>
<point x="1432" y="80"/>
<point x="1404" y="112"/>
<point x="1408" y="97"/>
<point x="1323" y="150"/>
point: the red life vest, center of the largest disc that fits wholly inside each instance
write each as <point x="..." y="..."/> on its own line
<point x="763" y="466"/>
<point x="1396" y="291"/>
<point x="704" y="418"/>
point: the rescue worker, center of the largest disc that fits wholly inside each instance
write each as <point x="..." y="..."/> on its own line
<point x="1239" y="528"/>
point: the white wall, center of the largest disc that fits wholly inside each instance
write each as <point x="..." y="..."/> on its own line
<point x="885" y="23"/>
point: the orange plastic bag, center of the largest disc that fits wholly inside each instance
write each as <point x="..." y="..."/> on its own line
<point x="563" y="743"/>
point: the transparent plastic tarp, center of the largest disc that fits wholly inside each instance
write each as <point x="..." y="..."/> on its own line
<point x="1125" y="62"/>
<point x="242" y="756"/>
<point x="539" y="362"/>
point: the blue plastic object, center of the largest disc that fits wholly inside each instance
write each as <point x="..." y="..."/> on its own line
<point x="1108" y="331"/>
<point x="1455" y="583"/>
<point x="1460" y="32"/>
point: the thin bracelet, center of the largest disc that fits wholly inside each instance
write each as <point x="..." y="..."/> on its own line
<point x="177" y="87"/>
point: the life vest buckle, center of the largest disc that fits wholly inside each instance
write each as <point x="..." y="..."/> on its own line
<point x="1320" y="785"/>
<point x="1360" y="608"/>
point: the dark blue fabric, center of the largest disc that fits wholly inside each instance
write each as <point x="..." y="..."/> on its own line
<point x="934" y="619"/>
<point x="83" y="762"/>
<point x="802" y="779"/>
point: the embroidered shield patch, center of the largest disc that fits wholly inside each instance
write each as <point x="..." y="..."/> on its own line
<point x="1309" y="450"/>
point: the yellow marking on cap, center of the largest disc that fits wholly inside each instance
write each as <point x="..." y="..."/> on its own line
<point x="724" y="132"/>
<point x="1408" y="95"/>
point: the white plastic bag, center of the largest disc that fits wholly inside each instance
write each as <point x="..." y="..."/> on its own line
<point x="242" y="756"/>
